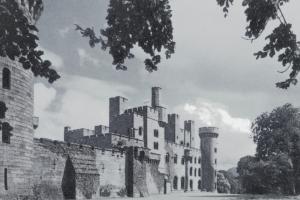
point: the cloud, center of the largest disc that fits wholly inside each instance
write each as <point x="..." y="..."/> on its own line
<point x="56" y="60"/>
<point x="64" y="31"/>
<point x="84" y="104"/>
<point x="234" y="139"/>
<point x="85" y="58"/>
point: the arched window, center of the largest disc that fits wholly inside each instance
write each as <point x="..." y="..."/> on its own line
<point x="195" y="172"/>
<point x="182" y="182"/>
<point x="199" y="172"/>
<point x="6" y="78"/>
<point x="175" y="182"/>
<point x="3" y="109"/>
<point x="175" y="158"/>
<point x="191" y="171"/>
<point x="199" y="160"/>
<point x="199" y="185"/>
<point x="167" y="157"/>
<point x="195" y="160"/>
<point x="191" y="184"/>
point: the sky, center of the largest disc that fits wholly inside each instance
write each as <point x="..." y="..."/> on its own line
<point x="213" y="77"/>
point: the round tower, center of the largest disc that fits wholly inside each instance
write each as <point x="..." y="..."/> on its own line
<point x="208" y="137"/>
<point x="16" y="120"/>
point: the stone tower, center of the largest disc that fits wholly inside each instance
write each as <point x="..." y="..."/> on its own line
<point x="208" y="136"/>
<point x="16" y="97"/>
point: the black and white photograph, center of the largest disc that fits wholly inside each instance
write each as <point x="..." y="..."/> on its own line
<point x="149" y="99"/>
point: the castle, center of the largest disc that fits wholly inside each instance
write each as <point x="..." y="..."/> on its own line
<point x="143" y="151"/>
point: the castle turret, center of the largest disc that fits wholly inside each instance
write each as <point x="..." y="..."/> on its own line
<point x="17" y="124"/>
<point x="117" y="106"/>
<point x="189" y="133"/>
<point x="155" y="97"/>
<point x="208" y="136"/>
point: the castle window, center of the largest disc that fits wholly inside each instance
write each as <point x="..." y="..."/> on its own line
<point x="175" y="182"/>
<point x="215" y="172"/>
<point x="181" y="142"/>
<point x="6" y="78"/>
<point x="3" y="109"/>
<point x="5" y="179"/>
<point x="140" y="131"/>
<point x="215" y="161"/>
<point x="216" y="150"/>
<point x="167" y="157"/>
<point x="195" y="172"/>
<point x="182" y="182"/>
<point x="155" y="133"/>
<point x="155" y="145"/>
<point x="191" y="184"/>
<point x="191" y="171"/>
<point x="175" y="159"/>
<point x="195" y="160"/>
<point x="187" y="144"/>
<point x="199" y="185"/>
<point x="199" y="172"/>
<point x="199" y="160"/>
<point x="6" y="129"/>
<point x="182" y="160"/>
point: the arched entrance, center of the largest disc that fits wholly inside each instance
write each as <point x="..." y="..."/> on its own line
<point x="69" y="182"/>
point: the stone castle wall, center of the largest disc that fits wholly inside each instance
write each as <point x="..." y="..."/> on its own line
<point x="95" y="172"/>
<point x="15" y="157"/>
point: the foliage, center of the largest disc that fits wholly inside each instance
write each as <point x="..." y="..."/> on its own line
<point x="277" y="132"/>
<point x="105" y="191"/>
<point x="135" y="22"/>
<point x="281" y="41"/>
<point x="223" y="185"/>
<point x="18" y="39"/>
<point x="232" y="180"/>
<point x="272" y="176"/>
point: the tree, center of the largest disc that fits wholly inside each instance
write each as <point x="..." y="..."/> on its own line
<point x="147" y="23"/>
<point x="18" y="37"/>
<point x="272" y="176"/>
<point x="276" y="135"/>
<point x="135" y="22"/>
<point x="281" y="41"/>
<point x="223" y="185"/>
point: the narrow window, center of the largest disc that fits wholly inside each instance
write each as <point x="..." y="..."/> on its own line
<point x="191" y="171"/>
<point x="187" y="144"/>
<point x="5" y="179"/>
<point x="155" y="133"/>
<point x="3" y="109"/>
<point x="199" y="185"/>
<point x="182" y="160"/>
<point x="155" y="145"/>
<point x="195" y="172"/>
<point x="175" y="180"/>
<point x="167" y="157"/>
<point x="175" y="159"/>
<point x="215" y="161"/>
<point x="191" y="184"/>
<point x="195" y="160"/>
<point x="140" y="131"/>
<point x="216" y="150"/>
<point x="199" y="160"/>
<point x="6" y="78"/>
<point x="6" y="129"/>
<point x="182" y="183"/>
<point x="199" y="172"/>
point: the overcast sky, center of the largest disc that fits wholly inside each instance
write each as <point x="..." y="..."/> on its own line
<point x="212" y="78"/>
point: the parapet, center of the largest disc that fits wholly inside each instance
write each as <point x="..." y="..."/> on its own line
<point x="208" y="132"/>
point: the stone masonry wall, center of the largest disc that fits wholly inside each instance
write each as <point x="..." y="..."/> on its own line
<point x="95" y="171"/>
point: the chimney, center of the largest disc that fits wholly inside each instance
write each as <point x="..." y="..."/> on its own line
<point x="155" y="97"/>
